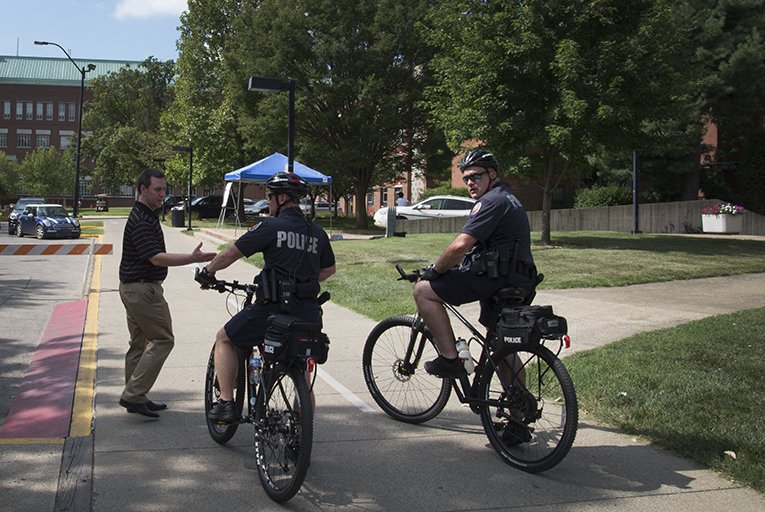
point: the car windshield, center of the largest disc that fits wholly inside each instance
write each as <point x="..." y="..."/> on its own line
<point x="51" y="211"/>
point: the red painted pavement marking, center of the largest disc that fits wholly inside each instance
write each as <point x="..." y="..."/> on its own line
<point x="53" y="249"/>
<point x="43" y="406"/>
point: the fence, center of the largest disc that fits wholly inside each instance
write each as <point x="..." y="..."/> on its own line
<point x="676" y="217"/>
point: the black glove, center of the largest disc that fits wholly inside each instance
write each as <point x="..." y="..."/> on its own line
<point x="430" y="274"/>
<point x="206" y="279"/>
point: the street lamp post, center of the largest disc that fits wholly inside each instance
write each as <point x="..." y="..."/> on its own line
<point x="262" y="84"/>
<point x="190" y="151"/>
<point x="82" y="70"/>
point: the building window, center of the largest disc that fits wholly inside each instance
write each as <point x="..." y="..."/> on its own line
<point x="43" y="140"/>
<point x="6" y="110"/>
<point x="62" y="111"/>
<point x="86" y="186"/>
<point x="383" y="197"/>
<point x="3" y="137"/>
<point x="370" y="200"/>
<point x="39" y="111"/>
<point x="72" y="111"/>
<point x="23" y="139"/>
<point x="49" y="111"/>
<point x="19" y="110"/>
<point x="30" y="108"/>
<point x="126" y="190"/>
<point x="65" y="141"/>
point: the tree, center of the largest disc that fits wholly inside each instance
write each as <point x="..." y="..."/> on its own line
<point x="546" y="84"/>
<point x="356" y="68"/>
<point x="124" y="120"/>
<point x="9" y="178"/>
<point x="205" y="113"/>
<point x="47" y="172"/>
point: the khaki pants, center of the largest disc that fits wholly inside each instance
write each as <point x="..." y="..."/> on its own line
<point x="151" y="337"/>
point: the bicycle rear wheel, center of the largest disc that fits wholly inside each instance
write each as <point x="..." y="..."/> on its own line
<point x="222" y="432"/>
<point x="393" y="364"/>
<point x="283" y="432"/>
<point x="531" y="416"/>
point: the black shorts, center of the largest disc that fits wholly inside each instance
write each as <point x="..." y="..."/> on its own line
<point x="461" y="286"/>
<point x="248" y="327"/>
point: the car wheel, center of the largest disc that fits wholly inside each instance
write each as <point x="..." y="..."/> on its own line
<point x="18" y="230"/>
<point x="40" y="232"/>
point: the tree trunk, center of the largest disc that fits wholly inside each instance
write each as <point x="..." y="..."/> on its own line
<point x="360" y="194"/>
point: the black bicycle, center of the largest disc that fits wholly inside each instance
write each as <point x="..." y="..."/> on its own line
<point x="521" y="390"/>
<point x="278" y="397"/>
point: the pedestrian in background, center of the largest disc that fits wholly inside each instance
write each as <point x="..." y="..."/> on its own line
<point x="401" y="200"/>
<point x="143" y="267"/>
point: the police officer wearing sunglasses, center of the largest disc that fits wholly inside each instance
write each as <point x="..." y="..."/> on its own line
<point x="493" y="251"/>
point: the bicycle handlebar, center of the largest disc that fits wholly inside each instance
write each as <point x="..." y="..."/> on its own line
<point x="250" y="288"/>
<point x="413" y="277"/>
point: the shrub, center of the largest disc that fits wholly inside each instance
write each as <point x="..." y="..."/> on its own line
<point x="597" y="196"/>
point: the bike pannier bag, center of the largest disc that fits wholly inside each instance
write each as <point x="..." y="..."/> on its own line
<point x="288" y="337"/>
<point x="526" y="325"/>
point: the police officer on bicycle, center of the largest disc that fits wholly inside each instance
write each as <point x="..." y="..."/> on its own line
<point x="492" y="252"/>
<point x="297" y="256"/>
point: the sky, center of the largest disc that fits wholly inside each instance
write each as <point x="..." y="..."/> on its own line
<point x="91" y="29"/>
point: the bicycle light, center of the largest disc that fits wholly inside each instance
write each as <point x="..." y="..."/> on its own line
<point x="566" y="341"/>
<point x="310" y="364"/>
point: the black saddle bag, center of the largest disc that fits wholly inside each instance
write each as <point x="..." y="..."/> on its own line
<point x="288" y="337"/>
<point x="527" y="325"/>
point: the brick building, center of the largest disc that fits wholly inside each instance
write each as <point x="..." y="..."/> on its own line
<point x="39" y="103"/>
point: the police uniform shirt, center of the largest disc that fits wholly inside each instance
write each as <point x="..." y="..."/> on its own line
<point x="290" y="244"/>
<point x="498" y="219"/>
<point x="142" y="240"/>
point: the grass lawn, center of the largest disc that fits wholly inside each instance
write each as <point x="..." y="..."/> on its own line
<point x="696" y="389"/>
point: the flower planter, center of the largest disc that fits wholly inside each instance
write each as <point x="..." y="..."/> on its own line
<point x="723" y="223"/>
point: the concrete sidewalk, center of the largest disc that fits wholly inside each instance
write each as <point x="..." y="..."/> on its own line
<point x="363" y="460"/>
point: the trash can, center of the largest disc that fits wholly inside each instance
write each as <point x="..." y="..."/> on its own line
<point x="177" y="216"/>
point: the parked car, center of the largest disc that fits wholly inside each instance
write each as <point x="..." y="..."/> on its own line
<point x="320" y="204"/>
<point x="208" y="207"/>
<point x="47" y="221"/>
<point x="431" y="208"/>
<point x="18" y="208"/>
<point x="259" y="207"/>
<point x="170" y="201"/>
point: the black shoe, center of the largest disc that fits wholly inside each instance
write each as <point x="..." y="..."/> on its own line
<point x="446" y="368"/>
<point x="153" y="406"/>
<point x="224" y="412"/>
<point x="515" y="434"/>
<point x="142" y="409"/>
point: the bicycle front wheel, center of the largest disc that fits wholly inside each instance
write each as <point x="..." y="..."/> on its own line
<point x="529" y="410"/>
<point x="393" y="363"/>
<point x="283" y="432"/>
<point x="223" y="432"/>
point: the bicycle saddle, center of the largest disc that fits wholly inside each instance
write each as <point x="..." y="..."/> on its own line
<point x="512" y="293"/>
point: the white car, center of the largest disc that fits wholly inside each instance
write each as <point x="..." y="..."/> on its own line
<point x="431" y="208"/>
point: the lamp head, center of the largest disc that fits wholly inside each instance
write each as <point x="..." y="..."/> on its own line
<point x="42" y="43"/>
<point x="91" y="67"/>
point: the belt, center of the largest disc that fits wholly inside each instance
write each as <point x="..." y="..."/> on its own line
<point x="152" y="281"/>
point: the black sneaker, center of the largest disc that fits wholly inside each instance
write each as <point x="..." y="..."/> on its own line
<point x="515" y="434"/>
<point x="224" y="412"/>
<point x="446" y="368"/>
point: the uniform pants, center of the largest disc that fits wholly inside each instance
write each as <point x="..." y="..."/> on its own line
<point x="151" y="337"/>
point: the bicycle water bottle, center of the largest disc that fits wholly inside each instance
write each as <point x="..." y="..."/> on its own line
<point x="463" y="352"/>
<point x="256" y="365"/>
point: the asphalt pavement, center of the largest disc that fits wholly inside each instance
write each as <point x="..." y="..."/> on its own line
<point x="362" y="460"/>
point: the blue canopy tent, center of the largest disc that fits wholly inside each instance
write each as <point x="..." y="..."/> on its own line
<point x="263" y="169"/>
<point x="260" y="171"/>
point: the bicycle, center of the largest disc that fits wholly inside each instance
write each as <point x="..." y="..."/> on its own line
<point x="521" y="390"/>
<point x="279" y="403"/>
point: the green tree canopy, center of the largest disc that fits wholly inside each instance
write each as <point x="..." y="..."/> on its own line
<point x="545" y="83"/>
<point x="124" y="121"/>
<point x="47" y="172"/>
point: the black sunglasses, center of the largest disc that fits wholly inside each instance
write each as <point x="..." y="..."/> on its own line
<point x="475" y="177"/>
